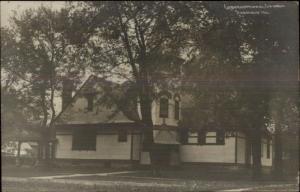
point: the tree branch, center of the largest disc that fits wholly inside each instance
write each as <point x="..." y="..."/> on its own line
<point x="127" y="46"/>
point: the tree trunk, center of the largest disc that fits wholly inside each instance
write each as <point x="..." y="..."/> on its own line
<point x="146" y="112"/>
<point x="53" y="150"/>
<point x="44" y="155"/>
<point x="47" y="153"/>
<point x="18" y="159"/>
<point x="41" y="151"/>
<point x="44" y="144"/>
<point x="141" y="75"/>
<point x="147" y="116"/>
<point x="248" y="153"/>
<point x="256" y="155"/>
<point x="148" y="143"/>
<point x="38" y="158"/>
<point x="278" y="163"/>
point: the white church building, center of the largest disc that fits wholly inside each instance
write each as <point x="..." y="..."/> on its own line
<point x="92" y="128"/>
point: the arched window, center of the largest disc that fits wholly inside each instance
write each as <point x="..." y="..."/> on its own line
<point x="176" y="110"/>
<point x="176" y="106"/>
<point x="164" y="108"/>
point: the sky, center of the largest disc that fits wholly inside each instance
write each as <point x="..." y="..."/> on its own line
<point x="7" y="8"/>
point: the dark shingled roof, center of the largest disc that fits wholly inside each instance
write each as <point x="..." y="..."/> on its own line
<point x="114" y="103"/>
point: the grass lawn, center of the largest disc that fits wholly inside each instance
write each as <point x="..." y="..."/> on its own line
<point x="116" y="186"/>
<point x="143" y="180"/>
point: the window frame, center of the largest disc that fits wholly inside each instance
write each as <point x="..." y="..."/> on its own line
<point x="194" y="135"/>
<point x="211" y="136"/>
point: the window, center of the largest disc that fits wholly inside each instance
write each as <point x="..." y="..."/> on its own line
<point x="122" y="136"/>
<point x="84" y="139"/>
<point x="268" y="149"/>
<point x="206" y="138"/>
<point x="212" y="138"/>
<point x="193" y="138"/>
<point x="164" y="108"/>
<point x="176" y="110"/>
<point x="90" y="101"/>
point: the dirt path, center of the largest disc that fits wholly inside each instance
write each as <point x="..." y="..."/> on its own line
<point x="82" y="175"/>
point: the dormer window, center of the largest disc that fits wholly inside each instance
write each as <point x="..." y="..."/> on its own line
<point x="90" y="101"/>
<point x="164" y="108"/>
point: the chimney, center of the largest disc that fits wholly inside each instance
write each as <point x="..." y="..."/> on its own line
<point x="67" y="89"/>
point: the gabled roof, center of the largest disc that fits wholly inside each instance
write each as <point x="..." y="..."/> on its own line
<point x="109" y="104"/>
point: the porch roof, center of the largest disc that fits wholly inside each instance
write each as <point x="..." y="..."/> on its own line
<point x="166" y="137"/>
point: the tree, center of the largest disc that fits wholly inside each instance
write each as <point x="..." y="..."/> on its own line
<point x="275" y="40"/>
<point x="40" y="50"/>
<point x="146" y="38"/>
<point x="15" y="115"/>
<point x="15" y="108"/>
<point x="239" y="49"/>
<point x="285" y="117"/>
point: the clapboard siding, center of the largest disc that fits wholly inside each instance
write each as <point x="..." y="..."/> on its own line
<point x="107" y="147"/>
<point x="209" y="153"/>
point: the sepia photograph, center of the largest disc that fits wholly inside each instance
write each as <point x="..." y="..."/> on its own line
<point x="150" y="96"/>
